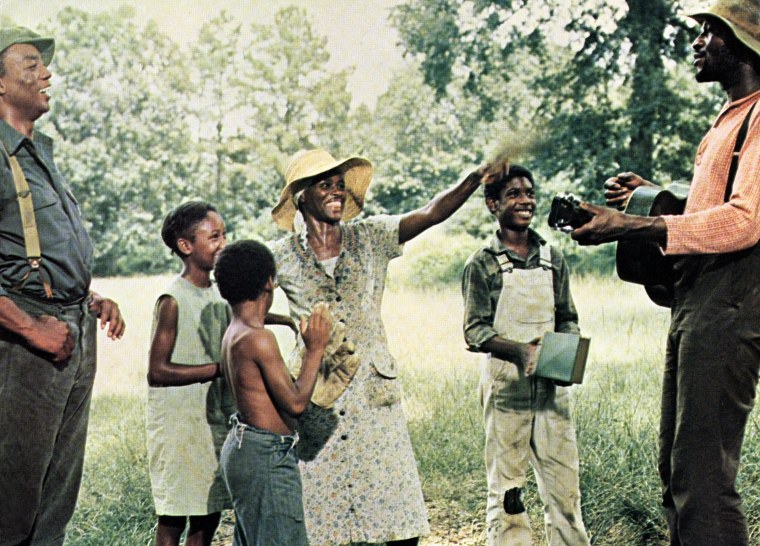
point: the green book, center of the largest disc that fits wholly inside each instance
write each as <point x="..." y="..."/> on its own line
<point x="562" y="357"/>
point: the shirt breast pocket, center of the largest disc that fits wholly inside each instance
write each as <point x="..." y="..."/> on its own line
<point x="53" y="225"/>
<point x="71" y="197"/>
<point x="44" y="199"/>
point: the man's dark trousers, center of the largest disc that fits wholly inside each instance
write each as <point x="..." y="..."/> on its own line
<point x="44" y="411"/>
<point x="711" y="373"/>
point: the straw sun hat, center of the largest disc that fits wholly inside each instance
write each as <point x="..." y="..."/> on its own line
<point x="741" y="16"/>
<point x="306" y="167"/>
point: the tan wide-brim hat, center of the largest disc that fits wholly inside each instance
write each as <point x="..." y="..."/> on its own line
<point x="306" y="166"/>
<point x="741" y="16"/>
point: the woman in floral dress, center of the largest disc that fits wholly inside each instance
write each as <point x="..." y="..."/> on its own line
<point x="359" y="474"/>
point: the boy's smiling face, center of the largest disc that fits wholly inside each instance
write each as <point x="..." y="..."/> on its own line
<point x="516" y="204"/>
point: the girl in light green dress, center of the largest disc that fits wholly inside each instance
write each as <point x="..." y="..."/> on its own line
<point x="187" y="405"/>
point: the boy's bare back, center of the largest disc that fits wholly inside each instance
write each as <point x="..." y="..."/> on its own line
<point x="266" y="395"/>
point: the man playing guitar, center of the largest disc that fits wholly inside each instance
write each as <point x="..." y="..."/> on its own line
<point x="713" y="347"/>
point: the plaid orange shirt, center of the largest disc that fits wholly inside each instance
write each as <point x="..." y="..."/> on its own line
<point x="709" y="225"/>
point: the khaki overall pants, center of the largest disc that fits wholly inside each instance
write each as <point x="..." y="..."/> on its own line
<point x="527" y="420"/>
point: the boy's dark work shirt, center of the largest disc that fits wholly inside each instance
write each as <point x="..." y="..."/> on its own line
<point x="66" y="247"/>
<point x="482" y="284"/>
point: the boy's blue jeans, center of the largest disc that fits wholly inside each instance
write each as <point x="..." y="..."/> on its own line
<point x="261" y="471"/>
<point x="44" y="412"/>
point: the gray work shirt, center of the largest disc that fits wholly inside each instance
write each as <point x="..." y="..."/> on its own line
<point x="66" y="248"/>
<point x="482" y="284"/>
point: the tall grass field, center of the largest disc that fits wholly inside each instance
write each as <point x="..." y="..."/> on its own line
<point x="616" y="412"/>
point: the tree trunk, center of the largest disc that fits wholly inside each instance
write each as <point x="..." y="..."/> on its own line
<point x="645" y="23"/>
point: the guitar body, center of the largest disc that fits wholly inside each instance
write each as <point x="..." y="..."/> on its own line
<point x="642" y="262"/>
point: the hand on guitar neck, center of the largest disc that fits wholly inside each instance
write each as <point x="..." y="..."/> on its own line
<point x="640" y="230"/>
<point x="605" y="225"/>
<point x="569" y="213"/>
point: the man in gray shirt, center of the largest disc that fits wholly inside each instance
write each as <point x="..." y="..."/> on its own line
<point x="47" y="311"/>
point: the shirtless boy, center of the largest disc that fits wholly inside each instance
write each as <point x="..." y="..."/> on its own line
<point x="259" y="464"/>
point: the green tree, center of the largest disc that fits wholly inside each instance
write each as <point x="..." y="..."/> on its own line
<point x="605" y="81"/>
<point x="143" y="125"/>
<point x="217" y="108"/>
<point x="269" y="95"/>
<point x="420" y="144"/>
<point x="295" y="101"/>
<point x="119" y="116"/>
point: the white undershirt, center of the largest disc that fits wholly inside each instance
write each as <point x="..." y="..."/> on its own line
<point x="329" y="265"/>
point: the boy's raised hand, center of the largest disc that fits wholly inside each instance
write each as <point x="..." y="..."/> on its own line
<point x="316" y="333"/>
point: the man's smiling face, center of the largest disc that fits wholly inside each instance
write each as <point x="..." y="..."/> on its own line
<point x="24" y="83"/>
<point x="713" y="57"/>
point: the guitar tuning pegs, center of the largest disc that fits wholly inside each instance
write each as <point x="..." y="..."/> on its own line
<point x="566" y="214"/>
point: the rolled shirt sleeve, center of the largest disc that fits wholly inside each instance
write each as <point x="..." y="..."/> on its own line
<point x="565" y="314"/>
<point x="709" y="225"/>
<point x="479" y="309"/>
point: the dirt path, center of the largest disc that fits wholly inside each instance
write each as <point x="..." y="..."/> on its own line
<point x="446" y="530"/>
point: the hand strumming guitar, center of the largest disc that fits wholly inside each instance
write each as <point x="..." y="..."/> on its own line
<point x="618" y="189"/>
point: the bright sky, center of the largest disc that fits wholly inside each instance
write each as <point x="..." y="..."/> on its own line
<point x="358" y="32"/>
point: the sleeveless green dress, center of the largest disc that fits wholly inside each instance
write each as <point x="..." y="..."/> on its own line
<point x="186" y="426"/>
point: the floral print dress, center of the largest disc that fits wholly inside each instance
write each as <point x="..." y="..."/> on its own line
<point x="360" y="479"/>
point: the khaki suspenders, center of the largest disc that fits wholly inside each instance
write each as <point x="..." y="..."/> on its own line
<point x="740" y="138"/>
<point x="28" y="222"/>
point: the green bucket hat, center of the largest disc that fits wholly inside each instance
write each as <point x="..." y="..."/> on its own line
<point x="20" y="35"/>
<point x="741" y="16"/>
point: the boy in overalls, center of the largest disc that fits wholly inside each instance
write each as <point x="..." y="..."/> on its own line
<point x="516" y="289"/>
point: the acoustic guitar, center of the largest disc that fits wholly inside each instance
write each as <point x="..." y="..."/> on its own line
<point x="642" y="262"/>
<point x="639" y="262"/>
